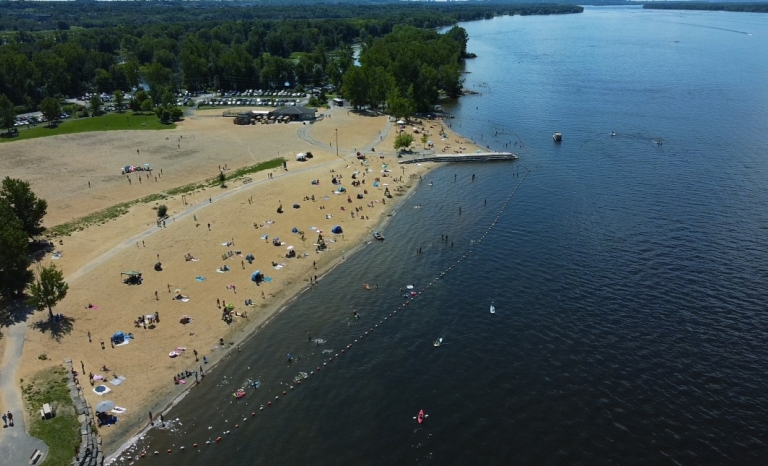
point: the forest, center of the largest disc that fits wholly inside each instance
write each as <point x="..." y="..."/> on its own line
<point x="735" y="6"/>
<point x="64" y="49"/>
<point x="407" y="69"/>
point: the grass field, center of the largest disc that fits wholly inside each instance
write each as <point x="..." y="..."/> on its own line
<point x="108" y="122"/>
<point x="62" y="433"/>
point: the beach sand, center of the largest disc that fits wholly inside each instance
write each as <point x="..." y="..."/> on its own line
<point x="93" y="259"/>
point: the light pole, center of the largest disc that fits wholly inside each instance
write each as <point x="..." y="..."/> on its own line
<point x="337" y="142"/>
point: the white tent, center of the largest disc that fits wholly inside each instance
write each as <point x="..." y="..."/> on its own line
<point x="301" y="156"/>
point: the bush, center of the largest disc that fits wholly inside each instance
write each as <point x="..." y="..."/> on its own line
<point x="222" y="178"/>
<point x="162" y="210"/>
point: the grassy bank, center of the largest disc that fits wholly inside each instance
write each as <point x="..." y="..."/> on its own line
<point x="108" y="122"/>
<point x="118" y="210"/>
<point x="62" y="433"/>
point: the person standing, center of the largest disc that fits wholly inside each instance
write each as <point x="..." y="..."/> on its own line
<point x="10" y="418"/>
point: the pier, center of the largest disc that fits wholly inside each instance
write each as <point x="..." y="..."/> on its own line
<point x="476" y="157"/>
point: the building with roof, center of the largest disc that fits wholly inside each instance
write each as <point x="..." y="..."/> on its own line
<point x="294" y="113"/>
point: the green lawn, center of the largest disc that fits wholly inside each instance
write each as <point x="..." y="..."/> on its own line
<point x="62" y="433"/>
<point x="108" y="122"/>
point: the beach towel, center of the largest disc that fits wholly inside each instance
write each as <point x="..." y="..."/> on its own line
<point x="92" y="307"/>
<point x="101" y="389"/>
<point x="313" y="228"/>
<point x="118" y="410"/>
<point x="220" y="271"/>
<point x="56" y="255"/>
<point x="116" y="381"/>
<point x="200" y="279"/>
<point x="267" y="279"/>
<point x="264" y="236"/>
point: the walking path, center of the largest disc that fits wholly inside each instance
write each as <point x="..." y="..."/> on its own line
<point x="16" y="446"/>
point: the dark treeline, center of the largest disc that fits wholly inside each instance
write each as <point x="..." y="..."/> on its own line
<point x="117" y="46"/>
<point x="48" y="16"/>
<point x="407" y="69"/>
<point x="743" y="7"/>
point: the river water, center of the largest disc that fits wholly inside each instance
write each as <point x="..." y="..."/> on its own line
<point x="629" y="273"/>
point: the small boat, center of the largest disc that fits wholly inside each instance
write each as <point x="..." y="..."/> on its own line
<point x="438" y="342"/>
<point x="557" y="137"/>
<point x="240" y="393"/>
<point x="420" y="417"/>
<point x="493" y="309"/>
<point x="378" y="236"/>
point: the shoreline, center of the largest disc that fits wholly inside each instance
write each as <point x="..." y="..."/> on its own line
<point x="101" y="250"/>
<point x="113" y="448"/>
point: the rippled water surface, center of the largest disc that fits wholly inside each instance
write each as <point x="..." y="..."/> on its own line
<point x="629" y="276"/>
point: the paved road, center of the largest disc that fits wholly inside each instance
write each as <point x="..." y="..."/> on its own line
<point x="16" y="446"/>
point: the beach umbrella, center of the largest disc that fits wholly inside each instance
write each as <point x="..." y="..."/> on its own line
<point x="400" y="122"/>
<point x="105" y="406"/>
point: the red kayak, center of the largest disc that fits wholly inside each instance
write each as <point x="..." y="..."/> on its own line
<point x="420" y="417"/>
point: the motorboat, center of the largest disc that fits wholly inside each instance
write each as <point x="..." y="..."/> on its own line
<point x="557" y="137"/>
<point x="378" y="236"/>
<point x="438" y="342"/>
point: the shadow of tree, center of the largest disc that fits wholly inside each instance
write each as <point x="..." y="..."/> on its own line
<point x="13" y="311"/>
<point x="58" y="328"/>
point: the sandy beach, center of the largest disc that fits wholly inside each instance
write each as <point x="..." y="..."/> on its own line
<point x="218" y="227"/>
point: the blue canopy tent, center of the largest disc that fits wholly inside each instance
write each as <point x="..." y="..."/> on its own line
<point x="118" y="337"/>
<point x="341" y="189"/>
<point x="337" y="230"/>
<point x="257" y="276"/>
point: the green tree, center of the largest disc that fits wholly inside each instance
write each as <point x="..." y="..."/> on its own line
<point x="25" y="205"/>
<point x="51" y="108"/>
<point x="95" y="104"/>
<point x="47" y="289"/>
<point x="176" y="113"/>
<point x="403" y="141"/>
<point x="356" y="86"/>
<point x="119" y="99"/>
<point x="7" y="112"/>
<point x="400" y="107"/>
<point x="14" y="259"/>
<point x="459" y="34"/>
<point x="147" y="105"/>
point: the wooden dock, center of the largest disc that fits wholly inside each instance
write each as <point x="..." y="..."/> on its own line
<point x="476" y="157"/>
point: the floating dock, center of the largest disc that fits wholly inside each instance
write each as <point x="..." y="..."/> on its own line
<point x="476" y="157"/>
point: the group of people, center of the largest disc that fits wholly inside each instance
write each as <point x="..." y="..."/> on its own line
<point x="144" y="320"/>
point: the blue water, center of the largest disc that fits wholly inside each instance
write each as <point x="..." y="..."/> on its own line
<point x="629" y="276"/>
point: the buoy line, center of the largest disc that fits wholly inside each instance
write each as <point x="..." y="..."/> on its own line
<point x="143" y="453"/>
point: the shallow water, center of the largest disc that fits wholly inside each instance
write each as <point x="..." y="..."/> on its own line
<point x="628" y="276"/>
